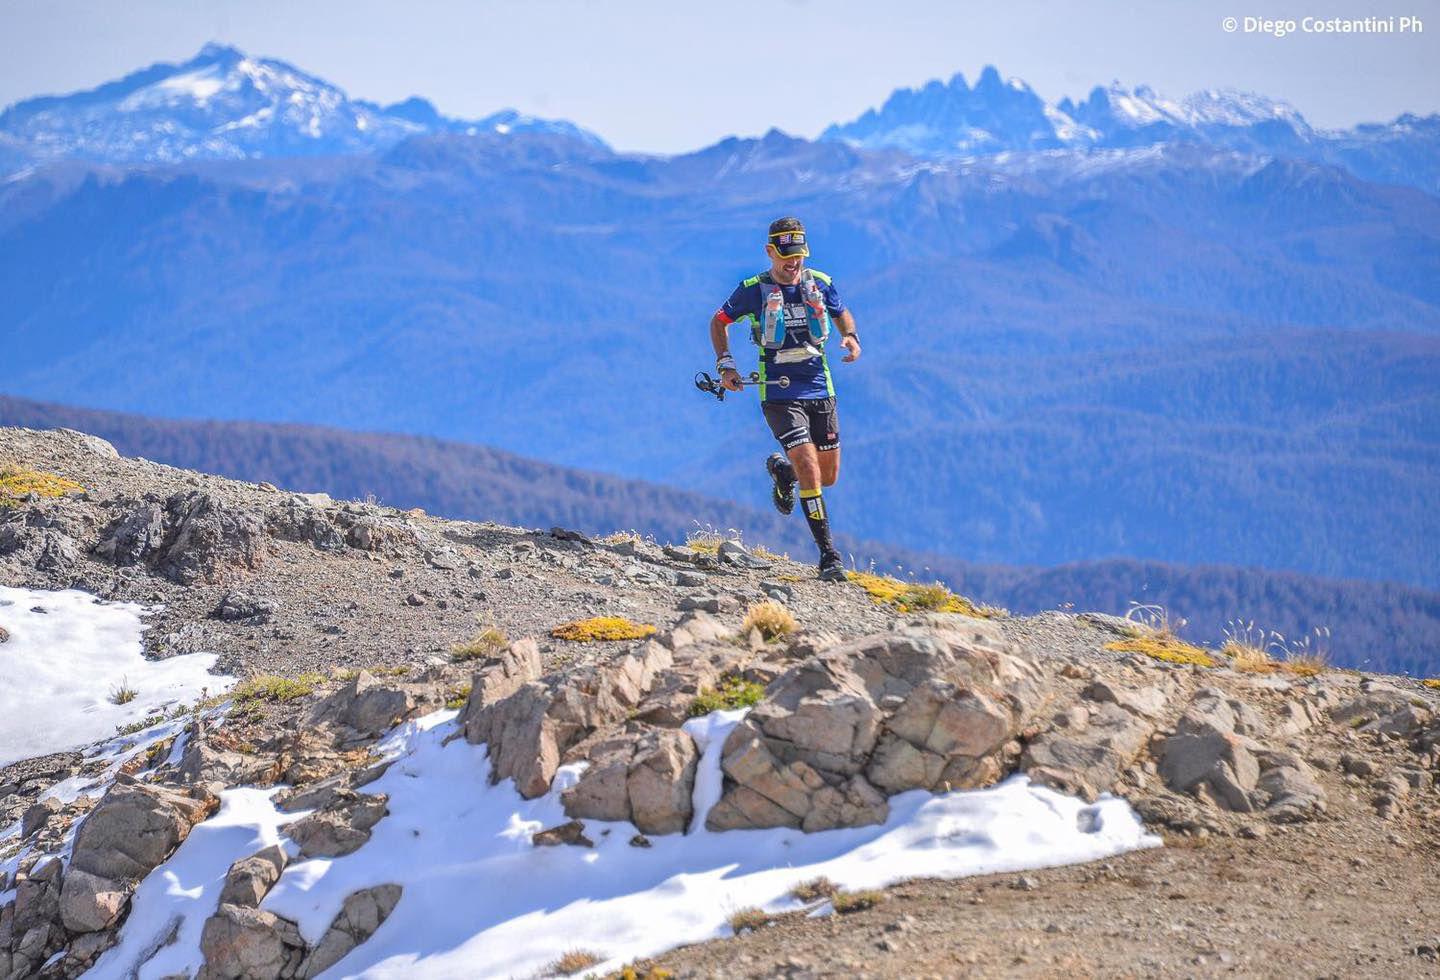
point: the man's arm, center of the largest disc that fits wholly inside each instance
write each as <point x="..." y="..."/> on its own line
<point x="849" y="336"/>
<point x="720" y="340"/>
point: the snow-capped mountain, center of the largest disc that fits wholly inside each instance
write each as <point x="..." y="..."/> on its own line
<point x="225" y="104"/>
<point x="954" y="120"/>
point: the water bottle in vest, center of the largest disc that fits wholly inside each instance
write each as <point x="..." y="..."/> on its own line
<point x="772" y="319"/>
<point x="819" y="317"/>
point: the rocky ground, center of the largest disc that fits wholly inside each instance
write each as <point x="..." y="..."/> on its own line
<point x="1300" y="812"/>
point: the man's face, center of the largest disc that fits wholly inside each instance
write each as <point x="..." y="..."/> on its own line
<point x="783" y="267"/>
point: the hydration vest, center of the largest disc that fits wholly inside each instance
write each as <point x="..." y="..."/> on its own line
<point x="768" y="331"/>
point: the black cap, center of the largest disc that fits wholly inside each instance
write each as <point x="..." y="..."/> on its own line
<point x="788" y="237"/>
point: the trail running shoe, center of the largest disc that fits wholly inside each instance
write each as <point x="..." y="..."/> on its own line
<point x="832" y="567"/>
<point x="782" y="476"/>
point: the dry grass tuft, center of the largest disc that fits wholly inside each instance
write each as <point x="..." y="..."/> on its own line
<point x="915" y="597"/>
<point x="814" y="889"/>
<point x="273" y="687"/>
<point x="622" y="537"/>
<point x="856" y="901"/>
<point x="1306" y="664"/>
<point x="123" y="693"/>
<point x="17" y="483"/>
<point x="742" y="920"/>
<point x="573" y="961"/>
<point x="1154" y="635"/>
<point x="600" y="628"/>
<point x="1248" y="659"/>
<point x="760" y="551"/>
<point x="487" y="643"/>
<point x="771" y="618"/>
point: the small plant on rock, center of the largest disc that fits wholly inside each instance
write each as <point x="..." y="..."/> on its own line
<point x="600" y="628"/>
<point x="771" y="618"/>
<point x="747" y="919"/>
<point x="18" y="482"/>
<point x="814" y="889"/>
<point x="1154" y="635"/>
<point x="1431" y="682"/>
<point x="887" y="590"/>
<point x="733" y="692"/>
<point x="845" y="902"/>
<point x="456" y="697"/>
<point x="273" y="687"/>
<point x="573" y="961"/>
<point x="487" y="643"/>
<point x="123" y="693"/>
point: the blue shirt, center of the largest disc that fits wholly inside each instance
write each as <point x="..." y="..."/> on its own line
<point x="810" y="377"/>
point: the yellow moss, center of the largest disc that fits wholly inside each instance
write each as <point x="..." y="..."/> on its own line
<point x="456" y="696"/>
<point x="602" y="628"/>
<point x="709" y="544"/>
<point x="1432" y="682"/>
<point x="915" y="597"/>
<point x="1163" y="646"/>
<point x="771" y="618"/>
<point x="17" y="482"/>
<point x="760" y="551"/>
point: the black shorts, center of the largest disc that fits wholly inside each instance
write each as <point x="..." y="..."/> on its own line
<point x="803" y="420"/>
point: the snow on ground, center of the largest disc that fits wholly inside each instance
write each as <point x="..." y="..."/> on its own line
<point x="481" y="900"/>
<point x="68" y="653"/>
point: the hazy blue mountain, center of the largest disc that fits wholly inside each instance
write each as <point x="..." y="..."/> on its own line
<point x="952" y="120"/>
<point x="225" y="104"/>
<point x="1373" y="626"/>
<point x="1175" y="353"/>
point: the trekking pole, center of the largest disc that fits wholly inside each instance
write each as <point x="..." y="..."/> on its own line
<point x="705" y="383"/>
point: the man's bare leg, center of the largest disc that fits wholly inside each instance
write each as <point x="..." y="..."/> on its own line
<point x="806" y="461"/>
<point x="829" y="460"/>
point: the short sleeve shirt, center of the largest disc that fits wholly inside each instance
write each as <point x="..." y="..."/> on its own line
<point x="809" y="377"/>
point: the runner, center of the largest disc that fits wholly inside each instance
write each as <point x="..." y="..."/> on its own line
<point x="792" y="311"/>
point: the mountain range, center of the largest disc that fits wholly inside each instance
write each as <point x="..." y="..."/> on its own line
<point x="954" y="120"/>
<point x="223" y="104"/>
<point x="1182" y="351"/>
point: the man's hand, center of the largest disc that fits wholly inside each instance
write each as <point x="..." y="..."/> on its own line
<point x="851" y="343"/>
<point x="730" y="378"/>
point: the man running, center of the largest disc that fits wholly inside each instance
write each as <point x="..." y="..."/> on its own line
<point x="791" y="311"/>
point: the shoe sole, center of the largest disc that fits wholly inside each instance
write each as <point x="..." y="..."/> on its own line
<point x="776" y="495"/>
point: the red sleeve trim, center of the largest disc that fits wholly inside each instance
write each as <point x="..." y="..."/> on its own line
<point x="724" y="318"/>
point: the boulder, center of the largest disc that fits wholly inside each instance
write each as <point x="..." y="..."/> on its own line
<point x="135" y="535"/>
<point x="341" y="827"/>
<point x="241" y="607"/>
<point x="89" y="903"/>
<point x="1383" y="708"/>
<point x="37" y="898"/>
<point x="1085" y="752"/>
<point x="647" y="778"/>
<point x="300" y="520"/>
<point x="369" y="705"/>
<point x="571" y="832"/>
<point x="241" y="943"/>
<point x="529" y="730"/>
<point x="517" y="664"/>
<point x="209" y="541"/>
<point x="363" y="913"/>
<point x="134" y="828"/>
<point x="375" y="533"/>
<point x="935" y="704"/>
<point x="37" y="815"/>
<point x="250" y="879"/>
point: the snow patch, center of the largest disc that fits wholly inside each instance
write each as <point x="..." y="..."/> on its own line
<point x="62" y="664"/>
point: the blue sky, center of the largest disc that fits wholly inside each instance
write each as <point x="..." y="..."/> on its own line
<point x="667" y="77"/>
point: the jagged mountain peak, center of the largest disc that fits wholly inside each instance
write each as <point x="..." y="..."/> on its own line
<point x="224" y="103"/>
